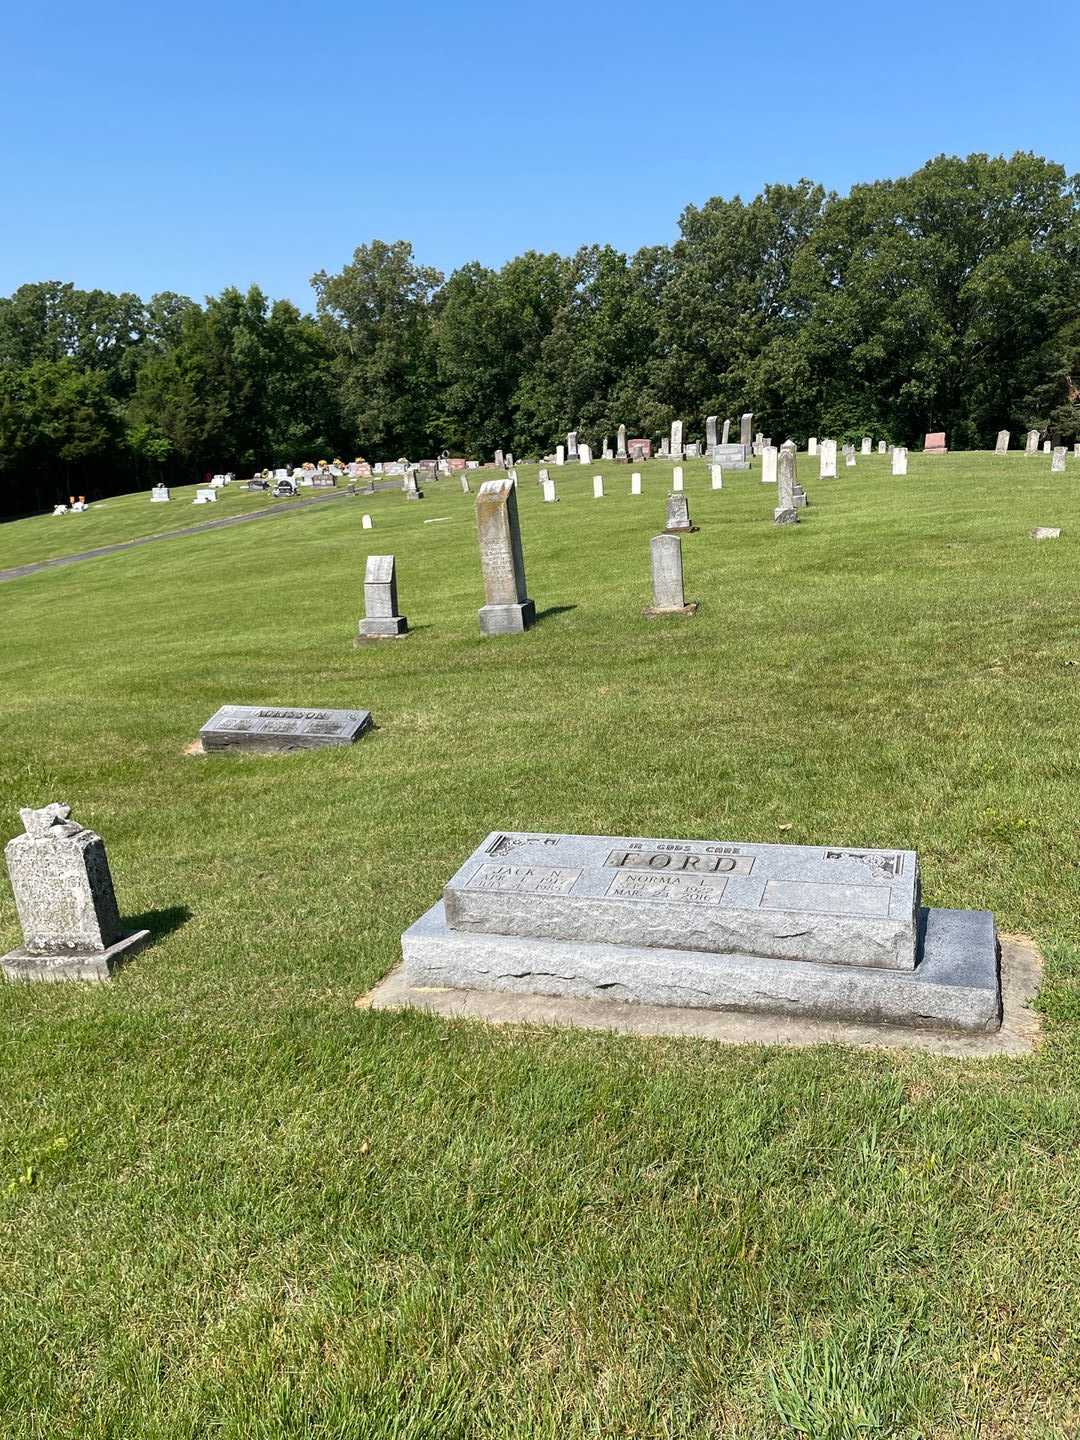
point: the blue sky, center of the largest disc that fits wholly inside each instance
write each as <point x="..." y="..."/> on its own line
<point x="186" y="147"/>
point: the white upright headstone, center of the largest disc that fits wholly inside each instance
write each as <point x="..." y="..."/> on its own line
<point x="676" y="440"/>
<point x="1046" y="447"/>
<point x="899" y="460"/>
<point x="597" y="487"/>
<point x="867" y="444"/>
<point x="716" y="473"/>
<point x="1002" y="445"/>
<point x="585" y="454"/>
<point x="635" y="483"/>
<point x="549" y="492"/>
<point x="811" y="445"/>
<point x="365" y="522"/>
<point x="1031" y="445"/>
<point x="560" y="454"/>
<point x="1057" y="464"/>
<point x="827" y="460"/>
<point x="768" y="464"/>
<point x="677" y="478"/>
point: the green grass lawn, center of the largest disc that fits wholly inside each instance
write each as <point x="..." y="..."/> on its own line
<point x="234" y="1205"/>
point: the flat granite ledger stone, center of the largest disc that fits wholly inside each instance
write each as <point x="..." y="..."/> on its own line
<point x="955" y="985"/>
<point x="65" y="902"/>
<point x="833" y="906"/>
<point x="274" y="730"/>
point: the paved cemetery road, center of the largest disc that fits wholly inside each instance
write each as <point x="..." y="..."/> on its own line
<point x="17" y="571"/>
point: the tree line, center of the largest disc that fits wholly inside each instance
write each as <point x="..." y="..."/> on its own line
<point x="948" y="300"/>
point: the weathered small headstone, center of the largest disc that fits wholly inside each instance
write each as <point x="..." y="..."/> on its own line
<point x="1031" y="444"/>
<point x="678" y="516"/>
<point x="500" y="462"/>
<point x="731" y="457"/>
<point x="1057" y="464"/>
<point x="271" y="729"/>
<point x="710" y="432"/>
<point x="899" y="460"/>
<point x="466" y="488"/>
<point x="881" y="447"/>
<point x="849" y="454"/>
<point x="1046" y="447"/>
<point x="1076" y="450"/>
<point x="160" y="493"/>
<point x="549" y="492"/>
<point x="676" y="444"/>
<point x="204" y="495"/>
<point x="365" y="522"/>
<point x="65" y="901"/>
<point x="692" y="450"/>
<point x="787" y="511"/>
<point x="827" y="460"/>
<point x="585" y="454"/>
<point x="746" y="430"/>
<point x="1002" y="442"/>
<point x="667" y="578"/>
<point x="811" y="445"/>
<point x="560" y="454"/>
<point x="716" y="474"/>
<point x="768" y="464"/>
<point x="635" y="483"/>
<point x="411" y="486"/>
<point x="677" y="478"/>
<point x="507" y="609"/>
<point x="571" y="446"/>
<point x="725" y="433"/>
<point x="1046" y="532"/>
<point x="598" y="487"/>
<point x="620" y="453"/>
<point x="381" y="619"/>
<point x="867" y="444"/>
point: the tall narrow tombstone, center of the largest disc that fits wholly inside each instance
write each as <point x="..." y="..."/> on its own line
<point x="677" y="478"/>
<point x="811" y="445"/>
<point x="725" y="433"/>
<point x="1076" y="450"/>
<point x="466" y="488"/>
<point x="1057" y="464"/>
<point x="867" y="444"/>
<point x="787" y="511"/>
<point x="509" y="459"/>
<point x="676" y="443"/>
<point x="1002" y="442"/>
<point x="560" y="454"/>
<point x="381" y="619"/>
<point x="65" y="901"/>
<point x="827" y="460"/>
<point x="411" y="486"/>
<point x="550" y="496"/>
<point x="1031" y="445"/>
<point x="668" y="597"/>
<point x="597" y="487"/>
<point x="716" y="474"/>
<point x="665" y="449"/>
<point x="507" y="609"/>
<point x="620" y="453"/>
<point x="500" y="462"/>
<point x="607" y="453"/>
<point x="899" y="460"/>
<point x="678" y="516"/>
<point x="635" y="483"/>
<point x="768" y="464"/>
<point x="571" y="447"/>
<point x="881" y="447"/>
<point x="710" y="432"/>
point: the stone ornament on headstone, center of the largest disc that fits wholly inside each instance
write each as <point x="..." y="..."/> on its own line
<point x="548" y="488"/>
<point x="676" y="443"/>
<point x="65" y="901"/>
<point x="768" y="464"/>
<point x="381" y="619"/>
<point x="507" y="609"/>
<point x="716" y="475"/>
<point x="825" y="932"/>
<point x="160" y="493"/>
<point x="710" y="432"/>
<point x="811" y="445"/>
<point x="1057" y="464"/>
<point x="899" y="460"/>
<point x="598" y="487"/>
<point x="620" y="453"/>
<point x="827" y="460"/>
<point x="635" y="483"/>
<point x="677" y="478"/>
<point x="275" y="730"/>
<point x="1031" y="445"/>
<point x="1002" y="445"/>
<point x="667" y="578"/>
<point x="678" y="516"/>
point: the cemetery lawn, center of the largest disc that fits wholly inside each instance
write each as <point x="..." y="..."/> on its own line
<point x="232" y="1204"/>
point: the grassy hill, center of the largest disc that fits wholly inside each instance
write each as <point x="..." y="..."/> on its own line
<point x="232" y="1204"/>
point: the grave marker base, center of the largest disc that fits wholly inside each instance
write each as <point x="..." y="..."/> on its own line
<point x="506" y="619"/>
<point x="21" y="965"/>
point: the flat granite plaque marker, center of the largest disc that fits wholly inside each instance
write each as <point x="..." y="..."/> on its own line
<point x="830" y="932"/>
<point x="271" y="729"/>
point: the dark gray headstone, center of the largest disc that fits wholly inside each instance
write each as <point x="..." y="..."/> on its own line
<point x="272" y="729"/>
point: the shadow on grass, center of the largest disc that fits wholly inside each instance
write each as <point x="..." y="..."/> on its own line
<point x="159" y="922"/>
<point x="552" y="611"/>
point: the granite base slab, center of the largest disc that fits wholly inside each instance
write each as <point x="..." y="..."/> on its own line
<point x="652" y="612"/>
<point x="507" y="619"/>
<point x="22" y="965"/>
<point x="955" y="986"/>
<point x="394" y="627"/>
